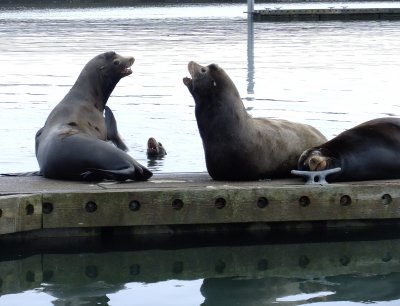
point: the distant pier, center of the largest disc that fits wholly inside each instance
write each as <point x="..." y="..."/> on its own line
<point x="332" y="13"/>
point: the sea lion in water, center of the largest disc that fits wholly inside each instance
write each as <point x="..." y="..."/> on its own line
<point x="369" y="151"/>
<point x="73" y="142"/>
<point x="237" y="146"/>
<point x="155" y="148"/>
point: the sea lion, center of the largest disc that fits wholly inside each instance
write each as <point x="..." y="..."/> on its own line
<point x="112" y="130"/>
<point x="73" y="143"/>
<point x="368" y="151"/>
<point x="237" y="146"/>
<point x="155" y="148"/>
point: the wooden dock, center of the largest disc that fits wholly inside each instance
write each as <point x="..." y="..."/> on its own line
<point x="333" y="13"/>
<point x="177" y="202"/>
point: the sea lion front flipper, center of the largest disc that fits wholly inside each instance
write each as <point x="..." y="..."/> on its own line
<point x="112" y="130"/>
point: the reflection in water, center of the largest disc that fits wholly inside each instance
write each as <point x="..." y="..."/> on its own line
<point x="287" y="274"/>
<point x="155" y="162"/>
<point x="266" y="291"/>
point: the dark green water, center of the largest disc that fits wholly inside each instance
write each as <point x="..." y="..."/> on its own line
<point x="291" y="273"/>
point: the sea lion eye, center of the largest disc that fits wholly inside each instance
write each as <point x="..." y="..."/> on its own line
<point x="117" y="62"/>
<point x="203" y="70"/>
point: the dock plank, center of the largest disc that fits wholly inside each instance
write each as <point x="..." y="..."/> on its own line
<point x="20" y="213"/>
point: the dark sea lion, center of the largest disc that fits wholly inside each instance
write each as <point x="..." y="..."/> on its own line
<point x="155" y="148"/>
<point x="237" y="146"/>
<point x="112" y="130"/>
<point x="73" y="142"/>
<point x="369" y="151"/>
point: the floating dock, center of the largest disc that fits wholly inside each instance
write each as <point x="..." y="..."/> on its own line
<point x="332" y="13"/>
<point x="179" y="202"/>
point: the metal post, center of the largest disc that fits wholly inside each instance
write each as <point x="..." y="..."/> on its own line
<point x="250" y="7"/>
<point x="250" y="47"/>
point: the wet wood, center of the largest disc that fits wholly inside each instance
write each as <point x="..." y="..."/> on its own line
<point x="29" y="203"/>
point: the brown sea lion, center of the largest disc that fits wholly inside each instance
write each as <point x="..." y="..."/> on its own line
<point x="73" y="142"/>
<point x="369" y="151"/>
<point x="237" y="146"/>
<point x="155" y="148"/>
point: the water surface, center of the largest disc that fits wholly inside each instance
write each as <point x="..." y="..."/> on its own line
<point x="332" y="75"/>
<point x="318" y="273"/>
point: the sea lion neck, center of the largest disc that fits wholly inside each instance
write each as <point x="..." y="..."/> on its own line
<point x="94" y="87"/>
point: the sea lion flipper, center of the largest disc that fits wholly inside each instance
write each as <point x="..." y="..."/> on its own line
<point x="18" y="174"/>
<point x="112" y="130"/>
<point x="138" y="173"/>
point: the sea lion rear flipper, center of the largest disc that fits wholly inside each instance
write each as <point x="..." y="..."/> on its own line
<point x="112" y="130"/>
<point x="32" y="173"/>
<point x="134" y="173"/>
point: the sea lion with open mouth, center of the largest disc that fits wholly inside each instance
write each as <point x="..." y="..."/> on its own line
<point x="73" y="144"/>
<point x="237" y="146"/>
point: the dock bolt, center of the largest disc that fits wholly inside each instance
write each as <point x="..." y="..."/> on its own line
<point x="91" y="207"/>
<point x="304" y="201"/>
<point x="47" y="208"/>
<point x="134" y="205"/>
<point x="345" y="200"/>
<point x="29" y="209"/>
<point x="386" y="199"/>
<point x="177" y="204"/>
<point x="262" y="202"/>
<point x="220" y="203"/>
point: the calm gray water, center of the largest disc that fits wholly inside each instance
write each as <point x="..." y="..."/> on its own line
<point x="332" y="75"/>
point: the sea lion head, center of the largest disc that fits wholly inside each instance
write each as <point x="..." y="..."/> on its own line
<point x="155" y="148"/>
<point x="101" y="74"/>
<point x="113" y="65"/>
<point x="208" y="82"/>
<point x="315" y="160"/>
